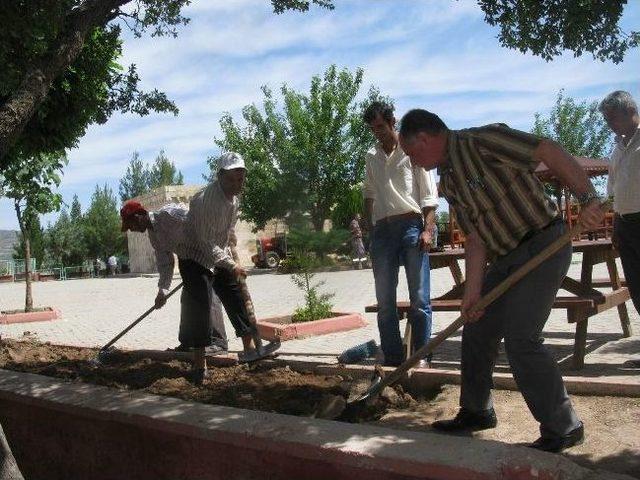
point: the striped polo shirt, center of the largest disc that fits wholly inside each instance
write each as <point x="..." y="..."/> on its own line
<point x="488" y="179"/>
<point x="210" y="224"/>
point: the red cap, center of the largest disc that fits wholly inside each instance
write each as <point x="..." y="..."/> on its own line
<point x="127" y="212"/>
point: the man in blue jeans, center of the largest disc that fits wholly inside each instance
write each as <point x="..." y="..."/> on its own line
<point x="399" y="203"/>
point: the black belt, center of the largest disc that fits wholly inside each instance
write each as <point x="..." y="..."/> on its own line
<point x="402" y="216"/>
<point x="630" y="217"/>
<point x="531" y="233"/>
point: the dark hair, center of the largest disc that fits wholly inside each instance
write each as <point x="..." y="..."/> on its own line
<point x="419" y="120"/>
<point x="378" y="108"/>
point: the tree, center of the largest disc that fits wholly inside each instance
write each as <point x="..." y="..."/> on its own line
<point x="37" y="244"/>
<point x="163" y="172"/>
<point x="30" y="183"/>
<point x="547" y="27"/>
<point x="349" y="203"/>
<point x="55" y="53"/>
<point x="578" y="127"/>
<point x="64" y="240"/>
<point x="303" y="159"/>
<point x="136" y="180"/>
<point x="102" y="225"/>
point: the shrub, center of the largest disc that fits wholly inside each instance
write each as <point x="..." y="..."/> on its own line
<point x="317" y="305"/>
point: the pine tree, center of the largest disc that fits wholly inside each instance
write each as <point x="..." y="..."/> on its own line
<point x="136" y="180"/>
<point x="163" y="172"/>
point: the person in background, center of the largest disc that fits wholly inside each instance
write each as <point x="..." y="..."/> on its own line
<point x="112" y="262"/>
<point x="620" y="111"/>
<point x="359" y="254"/>
<point x="399" y="205"/>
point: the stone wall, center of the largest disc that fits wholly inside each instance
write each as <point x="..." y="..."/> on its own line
<point x="141" y="255"/>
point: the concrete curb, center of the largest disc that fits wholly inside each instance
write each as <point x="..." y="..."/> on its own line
<point x="26" y="317"/>
<point x="86" y="431"/>
<point x="273" y="328"/>
<point x="425" y="378"/>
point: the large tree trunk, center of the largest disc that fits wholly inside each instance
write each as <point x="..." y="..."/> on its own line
<point x="28" y="297"/>
<point x="18" y="109"/>
<point x="24" y="229"/>
<point x="8" y="467"/>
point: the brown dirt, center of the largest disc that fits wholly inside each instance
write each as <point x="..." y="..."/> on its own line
<point x="260" y="386"/>
<point x="611" y="423"/>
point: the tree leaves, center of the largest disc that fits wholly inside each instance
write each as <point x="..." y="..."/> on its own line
<point x="304" y="154"/>
<point x="577" y="126"/>
<point x="546" y="28"/>
<point x="140" y="177"/>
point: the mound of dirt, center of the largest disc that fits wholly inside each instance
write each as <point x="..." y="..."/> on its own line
<point x="261" y="386"/>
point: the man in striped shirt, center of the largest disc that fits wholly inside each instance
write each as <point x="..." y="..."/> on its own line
<point x="487" y="176"/>
<point x="200" y="237"/>
<point x="166" y="230"/>
<point x="210" y="230"/>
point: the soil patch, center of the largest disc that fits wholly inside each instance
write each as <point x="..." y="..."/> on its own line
<point x="261" y="386"/>
<point x="611" y="425"/>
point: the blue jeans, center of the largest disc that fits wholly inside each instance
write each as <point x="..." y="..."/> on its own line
<point x="394" y="243"/>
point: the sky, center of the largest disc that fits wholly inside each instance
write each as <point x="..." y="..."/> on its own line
<point x="433" y="54"/>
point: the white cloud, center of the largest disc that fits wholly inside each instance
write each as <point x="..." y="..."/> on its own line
<point x="437" y="54"/>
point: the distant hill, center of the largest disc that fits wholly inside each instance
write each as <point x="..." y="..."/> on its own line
<point x="8" y="238"/>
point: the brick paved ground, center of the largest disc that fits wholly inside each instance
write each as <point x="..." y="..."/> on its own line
<point x="94" y="310"/>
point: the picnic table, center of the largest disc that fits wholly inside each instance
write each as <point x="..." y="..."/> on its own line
<point x="583" y="302"/>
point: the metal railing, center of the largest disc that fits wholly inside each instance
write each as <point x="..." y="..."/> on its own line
<point x="79" y="271"/>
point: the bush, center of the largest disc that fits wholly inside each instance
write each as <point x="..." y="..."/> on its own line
<point x="317" y="305"/>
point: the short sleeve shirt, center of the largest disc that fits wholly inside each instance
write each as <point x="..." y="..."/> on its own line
<point x="488" y="179"/>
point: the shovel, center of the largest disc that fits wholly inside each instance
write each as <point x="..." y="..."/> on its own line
<point x="104" y="352"/>
<point x="353" y="409"/>
<point x="251" y="313"/>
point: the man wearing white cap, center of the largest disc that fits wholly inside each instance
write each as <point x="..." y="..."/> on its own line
<point x="210" y="228"/>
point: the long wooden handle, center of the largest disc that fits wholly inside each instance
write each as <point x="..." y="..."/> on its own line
<point x="244" y="290"/>
<point x="139" y="319"/>
<point x="486" y="300"/>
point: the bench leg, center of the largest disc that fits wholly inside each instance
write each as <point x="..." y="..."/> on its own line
<point x="580" y="342"/>
<point x="622" y="308"/>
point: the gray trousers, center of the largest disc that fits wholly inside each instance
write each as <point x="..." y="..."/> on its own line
<point x="519" y="317"/>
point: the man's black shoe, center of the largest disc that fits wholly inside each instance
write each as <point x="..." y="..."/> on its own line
<point x="557" y="444"/>
<point x="468" y="421"/>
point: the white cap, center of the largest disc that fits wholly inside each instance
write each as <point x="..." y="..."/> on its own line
<point x="230" y="160"/>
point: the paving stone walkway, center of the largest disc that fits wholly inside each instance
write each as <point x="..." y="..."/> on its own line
<point x="94" y="310"/>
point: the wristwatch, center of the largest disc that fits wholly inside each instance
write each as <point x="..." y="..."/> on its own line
<point x="586" y="197"/>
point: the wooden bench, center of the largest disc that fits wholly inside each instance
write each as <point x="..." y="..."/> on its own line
<point x="579" y="309"/>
